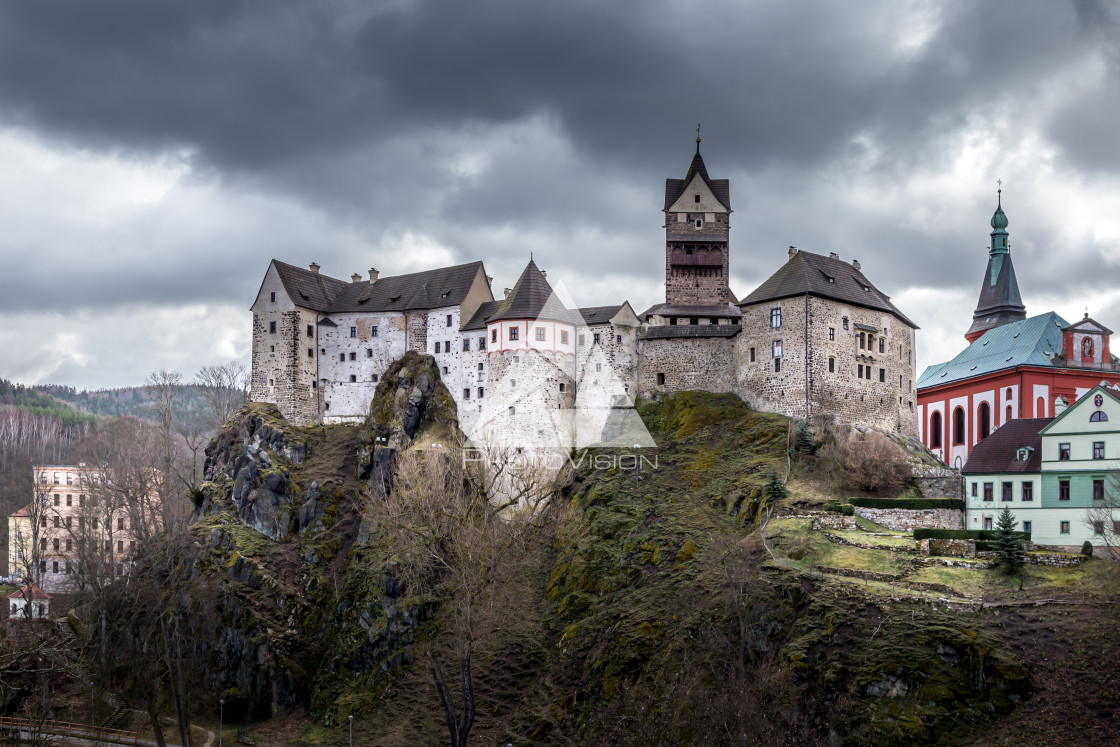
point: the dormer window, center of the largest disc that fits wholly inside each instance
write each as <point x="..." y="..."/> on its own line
<point x="1023" y="454"/>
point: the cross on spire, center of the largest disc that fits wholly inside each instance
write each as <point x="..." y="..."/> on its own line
<point x="697" y="138"/>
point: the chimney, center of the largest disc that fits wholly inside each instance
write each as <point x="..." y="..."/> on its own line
<point x="355" y="278"/>
<point x="490" y="281"/>
<point x="373" y="274"/>
<point x="834" y="255"/>
<point x="792" y="251"/>
<point x="855" y="263"/>
<point x="544" y="273"/>
<point x="314" y="267"/>
<point x="508" y="291"/>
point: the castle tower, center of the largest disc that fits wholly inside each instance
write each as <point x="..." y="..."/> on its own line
<point x="697" y="212"/>
<point x="1000" y="302"/>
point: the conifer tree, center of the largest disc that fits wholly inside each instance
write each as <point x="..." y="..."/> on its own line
<point x="804" y="443"/>
<point x="775" y="489"/>
<point x="1009" y="546"/>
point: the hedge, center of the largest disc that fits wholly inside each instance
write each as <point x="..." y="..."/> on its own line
<point x="909" y="503"/>
<point x="964" y="534"/>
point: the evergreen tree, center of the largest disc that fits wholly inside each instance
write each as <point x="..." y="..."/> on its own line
<point x="804" y="444"/>
<point x="775" y="489"/>
<point x="1009" y="546"/>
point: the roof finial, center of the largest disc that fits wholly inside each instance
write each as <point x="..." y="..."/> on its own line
<point x="1086" y="312"/>
<point x="530" y="255"/>
<point x="999" y="193"/>
<point x="698" y="138"/>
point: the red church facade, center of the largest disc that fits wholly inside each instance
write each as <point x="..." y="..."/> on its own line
<point x="1014" y="367"/>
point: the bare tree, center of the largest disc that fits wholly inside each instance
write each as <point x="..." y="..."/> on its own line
<point x="224" y="387"/>
<point x="1103" y="516"/>
<point x="451" y="536"/>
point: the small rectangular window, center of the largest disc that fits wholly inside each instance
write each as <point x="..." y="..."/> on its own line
<point x="661" y="379"/>
<point x="752" y="355"/>
<point x="618" y="339"/>
<point x="493" y="335"/>
<point x="859" y="372"/>
<point x="482" y="342"/>
<point x="466" y="392"/>
<point x="1027" y="527"/>
<point x="353" y="378"/>
<point x="353" y="331"/>
<point x="540" y="334"/>
<point x="595" y="339"/>
<point x="353" y="356"/>
<point x="1028" y="491"/>
<point x="832" y="334"/>
<point x="598" y="367"/>
<point x="513" y="331"/>
<point x="342" y="357"/>
<point x="272" y="296"/>
<point x="272" y="328"/>
<point x="561" y="386"/>
<point x="563" y="337"/>
<point x="776" y="348"/>
<point x="988" y="522"/>
<point x="777" y="365"/>
<point x="1098" y="490"/>
<point x="369" y="352"/>
<point x="437" y="348"/>
<point x="310" y="331"/>
<point x="988" y="491"/>
<point x="1006" y="492"/>
<point x="1063" y="490"/>
<point x="373" y="331"/>
<point x="1064" y="527"/>
<point x="882" y="345"/>
<point x="374" y="377"/>
<point x="832" y="365"/>
<point x="882" y="374"/>
<point x="448" y="320"/>
<point x="1063" y="452"/>
<point x="310" y="352"/>
<point x="776" y="317"/>
<point x="466" y="344"/>
<point x="1098" y="449"/>
<point x="1098" y="527"/>
<point x="696" y="198"/>
<point x="481" y="391"/>
<point x="974" y="489"/>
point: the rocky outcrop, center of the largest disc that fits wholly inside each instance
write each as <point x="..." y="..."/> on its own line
<point x="409" y="394"/>
<point x="249" y="460"/>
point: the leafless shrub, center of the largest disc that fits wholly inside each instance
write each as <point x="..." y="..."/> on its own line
<point x="875" y="464"/>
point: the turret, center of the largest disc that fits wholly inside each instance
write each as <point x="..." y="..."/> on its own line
<point x="1000" y="302"/>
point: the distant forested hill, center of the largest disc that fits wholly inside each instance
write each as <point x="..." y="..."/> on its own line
<point x="41" y="401"/>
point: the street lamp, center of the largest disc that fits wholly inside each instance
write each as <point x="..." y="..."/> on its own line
<point x="351" y="730"/>
<point x="221" y="718"/>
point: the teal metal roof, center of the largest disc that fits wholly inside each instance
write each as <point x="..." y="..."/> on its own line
<point x="1029" y="342"/>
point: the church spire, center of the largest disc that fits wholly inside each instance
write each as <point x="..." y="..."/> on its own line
<point x="1000" y="302"/>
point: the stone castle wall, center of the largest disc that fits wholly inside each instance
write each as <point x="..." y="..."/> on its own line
<point x="704" y="363"/>
<point x="865" y="386"/>
<point x="282" y="371"/>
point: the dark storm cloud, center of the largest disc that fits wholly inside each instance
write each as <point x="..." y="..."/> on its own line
<point x="331" y="131"/>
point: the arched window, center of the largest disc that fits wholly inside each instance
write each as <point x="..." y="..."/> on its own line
<point x="958" y="425"/>
<point x="985" y="416"/>
<point x="935" y="431"/>
<point x="1007" y="415"/>
<point x="1040" y="408"/>
<point x="1099" y="416"/>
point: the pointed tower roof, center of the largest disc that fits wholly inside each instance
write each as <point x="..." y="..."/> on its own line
<point x="1000" y="302"/>
<point x="721" y="188"/>
<point x="532" y="298"/>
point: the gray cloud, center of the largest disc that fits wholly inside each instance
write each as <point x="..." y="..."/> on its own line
<point x="411" y="132"/>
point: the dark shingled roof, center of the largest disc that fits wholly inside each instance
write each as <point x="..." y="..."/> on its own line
<point x="806" y="272"/>
<point x="532" y="298"/>
<point x="667" y="331"/>
<point x="997" y="453"/>
<point x="308" y="289"/>
<point x="729" y="311"/>
<point x="594" y="315"/>
<point x="721" y="188"/>
<point x="431" y="289"/>
<point x="481" y="316"/>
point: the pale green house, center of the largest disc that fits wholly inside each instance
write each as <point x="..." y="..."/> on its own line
<point x="1055" y="474"/>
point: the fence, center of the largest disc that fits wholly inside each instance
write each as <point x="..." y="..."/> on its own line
<point x="67" y="729"/>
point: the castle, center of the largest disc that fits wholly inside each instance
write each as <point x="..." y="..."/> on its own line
<point x="816" y="340"/>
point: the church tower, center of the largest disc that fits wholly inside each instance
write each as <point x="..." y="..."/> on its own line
<point x="697" y="211"/>
<point x="1000" y="302"/>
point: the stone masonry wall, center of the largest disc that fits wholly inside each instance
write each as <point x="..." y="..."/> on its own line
<point x="907" y="520"/>
<point x="417" y="324"/>
<point x="351" y="366"/>
<point x="704" y="363"/>
<point x="812" y="333"/>
<point x="621" y="356"/>
<point x="282" y="372"/>
<point x="530" y="400"/>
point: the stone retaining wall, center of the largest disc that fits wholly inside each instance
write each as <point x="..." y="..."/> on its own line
<point x="905" y="519"/>
<point x="954" y="548"/>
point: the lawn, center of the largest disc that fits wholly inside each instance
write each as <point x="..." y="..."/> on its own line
<point x="794" y="539"/>
<point x="901" y="539"/>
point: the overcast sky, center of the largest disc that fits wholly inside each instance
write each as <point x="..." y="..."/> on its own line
<point x="155" y="156"/>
